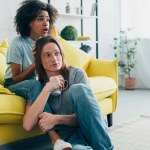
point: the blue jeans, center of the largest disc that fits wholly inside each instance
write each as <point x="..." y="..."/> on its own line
<point x="28" y="89"/>
<point x="93" y="128"/>
<point x="92" y="133"/>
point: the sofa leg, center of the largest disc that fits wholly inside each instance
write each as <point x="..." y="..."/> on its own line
<point x="110" y="120"/>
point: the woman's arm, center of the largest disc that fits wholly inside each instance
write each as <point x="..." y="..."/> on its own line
<point x="70" y="120"/>
<point x="48" y="121"/>
<point x="31" y="116"/>
<point x="15" y="58"/>
<point x="17" y="73"/>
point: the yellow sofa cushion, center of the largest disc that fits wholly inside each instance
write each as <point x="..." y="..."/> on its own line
<point x="3" y="51"/>
<point x="2" y="67"/>
<point x="106" y="106"/>
<point x="12" y="108"/>
<point x="5" y="90"/>
<point x="54" y="31"/>
<point x="74" y="56"/>
<point x="102" y="87"/>
<point x="3" y="47"/>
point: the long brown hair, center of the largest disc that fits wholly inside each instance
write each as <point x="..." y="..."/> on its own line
<point x="39" y="67"/>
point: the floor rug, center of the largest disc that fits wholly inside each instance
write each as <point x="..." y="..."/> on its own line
<point x="132" y="135"/>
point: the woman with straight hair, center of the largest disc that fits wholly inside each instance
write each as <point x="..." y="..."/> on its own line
<point x="66" y="103"/>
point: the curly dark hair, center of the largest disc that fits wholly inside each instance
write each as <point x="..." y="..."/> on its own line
<point x="28" y="11"/>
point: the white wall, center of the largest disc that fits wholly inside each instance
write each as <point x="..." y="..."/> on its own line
<point x="109" y="26"/>
<point x="7" y="13"/>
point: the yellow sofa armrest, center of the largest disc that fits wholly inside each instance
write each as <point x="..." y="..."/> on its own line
<point x="98" y="67"/>
<point x="108" y="68"/>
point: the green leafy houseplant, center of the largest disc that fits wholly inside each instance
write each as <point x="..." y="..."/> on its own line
<point x="69" y="33"/>
<point x="124" y="50"/>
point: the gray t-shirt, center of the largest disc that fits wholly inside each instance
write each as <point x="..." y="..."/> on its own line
<point x="20" y="52"/>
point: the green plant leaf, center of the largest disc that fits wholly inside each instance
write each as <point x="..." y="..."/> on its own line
<point x="125" y="50"/>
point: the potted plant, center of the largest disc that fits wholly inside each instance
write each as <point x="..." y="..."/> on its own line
<point x="69" y="33"/>
<point x="124" y="50"/>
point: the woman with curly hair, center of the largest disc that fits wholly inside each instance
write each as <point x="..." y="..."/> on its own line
<point x="34" y="19"/>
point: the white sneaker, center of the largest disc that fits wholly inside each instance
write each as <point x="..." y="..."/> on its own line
<point x="60" y="145"/>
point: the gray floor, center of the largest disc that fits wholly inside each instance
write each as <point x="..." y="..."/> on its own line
<point x="132" y="103"/>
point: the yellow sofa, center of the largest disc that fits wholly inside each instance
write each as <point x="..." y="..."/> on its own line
<point x="103" y="75"/>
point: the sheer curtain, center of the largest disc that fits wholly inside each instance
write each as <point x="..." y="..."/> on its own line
<point x="136" y="14"/>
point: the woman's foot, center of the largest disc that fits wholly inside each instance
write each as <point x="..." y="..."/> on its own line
<point x="62" y="145"/>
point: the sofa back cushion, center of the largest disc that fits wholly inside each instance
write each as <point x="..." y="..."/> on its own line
<point x="74" y="56"/>
<point x="3" y="47"/>
<point x="5" y="90"/>
<point x="3" y="51"/>
<point x="2" y="67"/>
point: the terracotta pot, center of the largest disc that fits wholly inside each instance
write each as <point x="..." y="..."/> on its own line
<point x="130" y="83"/>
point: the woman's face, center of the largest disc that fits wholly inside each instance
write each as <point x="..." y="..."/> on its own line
<point x="51" y="59"/>
<point x="40" y="26"/>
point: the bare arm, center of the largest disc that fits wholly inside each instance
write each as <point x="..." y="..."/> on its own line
<point x="70" y="120"/>
<point x="31" y="116"/>
<point x="19" y="75"/>
<point x="48" y="121"/>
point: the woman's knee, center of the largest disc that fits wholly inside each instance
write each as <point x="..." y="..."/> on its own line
<point x="78" y="93"/>
<point x="78" y="88"/>
<point x="35" y="85"/>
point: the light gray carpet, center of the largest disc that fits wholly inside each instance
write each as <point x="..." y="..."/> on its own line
<point x="133" y="134"/>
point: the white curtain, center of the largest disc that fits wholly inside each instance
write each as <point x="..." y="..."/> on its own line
<point x="142" y="71"/>
<point x="136" y="14"/>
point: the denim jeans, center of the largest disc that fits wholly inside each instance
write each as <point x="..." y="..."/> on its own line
<point x="92" y="131"/>
<point x="28" y="89"/>
<point x="91" y="122"/>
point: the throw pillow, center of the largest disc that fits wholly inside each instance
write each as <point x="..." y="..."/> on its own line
<point x="3" y="47"/>
<point x="2" y="67"/>
<point x="74" y="56"/>
<point x="54" y="31"/>
<point x="5" y="91"/>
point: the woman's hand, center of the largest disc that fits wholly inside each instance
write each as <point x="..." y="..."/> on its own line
<point x="33" y="50"/>
<point x="47" y="121"/>
<point x="54" y="83"/>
